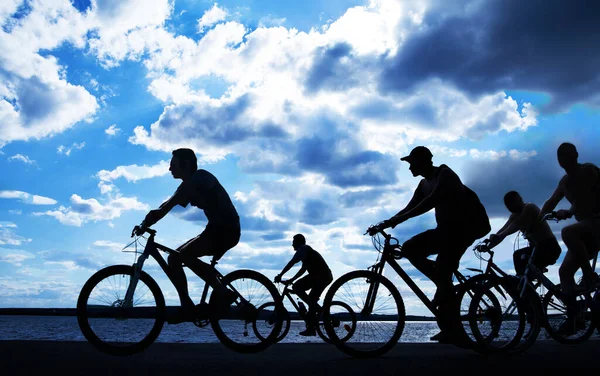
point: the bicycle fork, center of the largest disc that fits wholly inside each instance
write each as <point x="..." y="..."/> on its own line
<point x="137" y="268"/>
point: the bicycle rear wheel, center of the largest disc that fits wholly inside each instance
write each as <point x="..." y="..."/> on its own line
<point x="268" y="316"/>
<point x="556" y="314"/>
<point x="497" y="317"/>
<point x="343" y="320"/>
<point x="105" y="321"/>
<point x="232" y="327"/>
<point x="379" y="311"/>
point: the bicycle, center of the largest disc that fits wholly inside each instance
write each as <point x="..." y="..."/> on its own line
<point x="380" y="307"/>
<point x="121" y="309"/>
<point x="495" y="323"/>
<point x="344" y="321"/>
<point x="553" y="301"/>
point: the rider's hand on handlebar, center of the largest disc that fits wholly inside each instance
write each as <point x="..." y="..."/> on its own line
<point x="563" y="214"/>
<point x="277" y="278"/>
<point x="138" y="230"/>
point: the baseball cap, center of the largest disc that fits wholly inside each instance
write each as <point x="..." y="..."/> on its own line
<point x="418" y="153"/>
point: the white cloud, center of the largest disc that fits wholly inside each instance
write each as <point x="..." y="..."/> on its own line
<point x="211" y="17"/>
<point x="67" y="150"/>
<point x="270" y="21"/>
<point x="109" y="244"/>
<point x="112" y="130"/>
<point x="22" y="158"/>
<point x="36" y="101"/>
<point x="16" y="259"/>
<point x="482" y="154"/>
<point x="27" y="198"/>
<point x="134" y="172"/>
<point x="17" y="212"/>
<point x="82" y="210"/>
<point x="8" y="235"/>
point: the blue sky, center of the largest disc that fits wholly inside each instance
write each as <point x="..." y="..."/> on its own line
<point x="301" y="109"/>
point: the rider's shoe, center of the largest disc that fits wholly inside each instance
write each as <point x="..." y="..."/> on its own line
<point x="309" y="332"/>
<point x="224" y="300"/>
<point x="182" y="315"/>
<point x="441" y="337"/>
<point x="588" y="284"/>
<point x="567" y="328"/>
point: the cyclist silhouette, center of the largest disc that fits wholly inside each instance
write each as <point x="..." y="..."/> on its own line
<point x="581" y="188"/>
<point x="201" y="189"/>
<point x="319" y="276"/>
<point x="440" y="189"/>
<point x="524" y="218"/>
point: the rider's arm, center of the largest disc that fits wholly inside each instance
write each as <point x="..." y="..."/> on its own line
<point x="298" y="275"/>
<point x="499" y="236"/>
<point x="551" y="203"/>
<point x="416" y="198"/>
<point x="510" y="227"/>
<point x="156" y="215"/>
<point x="445" y="181"/>
<point x="289" y="265"/>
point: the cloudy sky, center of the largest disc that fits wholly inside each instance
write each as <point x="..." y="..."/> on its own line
<point x="301" y="109"/>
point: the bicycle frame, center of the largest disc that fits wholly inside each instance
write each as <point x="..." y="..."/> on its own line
<point x="387" y="257"/>
<point x="286" y="293"/>
<point x="151" y="249"/>
<point x="541" y="277"/>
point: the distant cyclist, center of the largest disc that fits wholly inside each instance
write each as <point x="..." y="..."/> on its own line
<point x="524" y="217"/>
<point x="318" y="278"/>
<point x="201" y="189"/>
<point x="580" y="186"/>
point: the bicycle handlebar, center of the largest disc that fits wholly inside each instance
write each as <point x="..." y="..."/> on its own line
<point x="141" y="229"/>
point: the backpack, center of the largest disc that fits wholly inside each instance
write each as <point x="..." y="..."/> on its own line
<point x="479" y="222"/>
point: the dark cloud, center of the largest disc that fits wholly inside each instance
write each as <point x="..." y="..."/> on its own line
<point x="369" y="197"/>
<point x="345" y="170"/>
<point x="421" y="111"/>
<point x="223" y="125"/>
<point x="535" y="178"/>
<point x="539" y="45"/>
<point x="318" y="212"/>
<point x="273" y="236"/>
<point x="330" y="71"/>
<point x="36" y="100"/>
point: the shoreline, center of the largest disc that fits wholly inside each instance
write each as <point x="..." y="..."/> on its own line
<point x="73" y="312"/>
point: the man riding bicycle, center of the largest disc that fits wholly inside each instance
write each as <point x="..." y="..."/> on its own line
<point x="201" y="189"/>
<point x="580" y="186"/>
<point x="524" y="218"/>
<point x="318" y="278"/>
<point x="440" y="189"/>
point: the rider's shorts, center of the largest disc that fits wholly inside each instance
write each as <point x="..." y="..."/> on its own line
<point x="215" y="240"/>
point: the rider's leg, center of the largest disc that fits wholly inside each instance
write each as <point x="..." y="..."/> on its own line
<point x="446" y="264"/>
<point x="180" y="281"/>
<point x="418" y="248"/>
<point x="520" y="259"/>
<point x="566" y="272"/>
<point x="573" y="236"/>
<point x="211" y="242"/>
<point x="301" y="286"/>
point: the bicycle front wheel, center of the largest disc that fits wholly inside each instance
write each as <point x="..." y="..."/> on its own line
<point x="343" y="320"/>
<point x="377" y="306"/>
<point x="108" y="323"/>
<point x="237" y="328"/>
